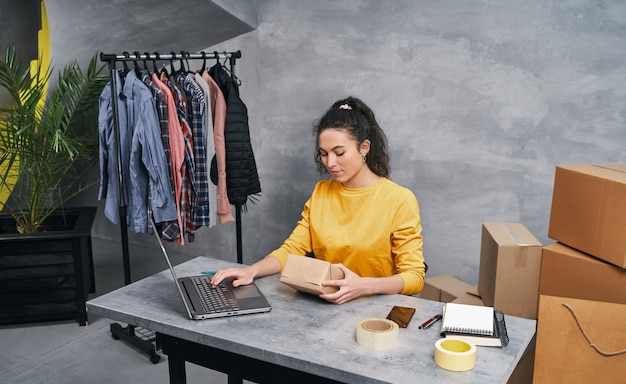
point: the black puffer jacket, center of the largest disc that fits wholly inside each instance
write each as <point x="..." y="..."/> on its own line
<point x="242" y="178"/>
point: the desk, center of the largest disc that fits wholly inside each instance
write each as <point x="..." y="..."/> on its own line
<point x="302" y="339"/>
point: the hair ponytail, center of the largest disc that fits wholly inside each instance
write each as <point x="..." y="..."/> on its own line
<point x="359" y="121"/>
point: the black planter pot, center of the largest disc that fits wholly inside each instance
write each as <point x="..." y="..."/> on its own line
<point x="47" y="275"/>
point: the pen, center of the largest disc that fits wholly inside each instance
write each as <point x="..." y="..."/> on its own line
<point x="437" y="318"/>
<point x="208" y="272"/>
<point x="430" y="321"/>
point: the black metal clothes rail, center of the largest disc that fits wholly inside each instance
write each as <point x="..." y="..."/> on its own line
<point x="128" y="333"/>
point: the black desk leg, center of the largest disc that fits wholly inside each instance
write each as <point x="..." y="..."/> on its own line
<point x="234" y="380"/>
<point x="177" y="370"/>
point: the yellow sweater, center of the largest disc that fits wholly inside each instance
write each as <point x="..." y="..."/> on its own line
<point x="374" y="231"/>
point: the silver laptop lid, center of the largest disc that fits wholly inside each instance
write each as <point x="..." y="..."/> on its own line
<point x="169" y="264"/>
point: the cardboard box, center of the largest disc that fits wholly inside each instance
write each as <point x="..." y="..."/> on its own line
<point x="589" y="210"/>
<point x="510" y="264"/>
<point x="470" y="298"/>
<point x="568" y="272"/>
<point x="306" y="274"/>
<point x="446" y="288"/>
<point x="564" y="355"/>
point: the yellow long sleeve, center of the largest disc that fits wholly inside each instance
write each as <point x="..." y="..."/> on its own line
<point x="374" y="231"/>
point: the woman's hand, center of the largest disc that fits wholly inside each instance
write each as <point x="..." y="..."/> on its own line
<point x="241" y="276"/>
<point x="245" y="275"/>
<point x="351" y="287"/>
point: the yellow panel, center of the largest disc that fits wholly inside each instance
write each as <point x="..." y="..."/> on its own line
<point x="43" y="42"/>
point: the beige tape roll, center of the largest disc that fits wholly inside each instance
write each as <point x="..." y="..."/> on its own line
<point x="455" y="355"/>
<point x="377" y="334"/>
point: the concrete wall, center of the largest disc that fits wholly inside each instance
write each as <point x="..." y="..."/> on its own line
<point x="480" y="101"/>
<point x="20" y="22"/>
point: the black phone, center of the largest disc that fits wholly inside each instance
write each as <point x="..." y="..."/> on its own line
<point x="401" y="315"/>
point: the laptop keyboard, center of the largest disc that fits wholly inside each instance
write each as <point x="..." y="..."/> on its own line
<point x="214" y="300"/>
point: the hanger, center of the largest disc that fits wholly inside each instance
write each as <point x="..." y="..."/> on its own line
<point x="125" y="62"/>
<point x="188" y="67"/>
<point x="181" y="70"/>
<point x="228" y="71"/>
<point x="155" y="70"/>
<point x="145" y="62"/>
<point x="164" y="70"/>
<point x="136" y="64"/>
<point x="203" y="69"/>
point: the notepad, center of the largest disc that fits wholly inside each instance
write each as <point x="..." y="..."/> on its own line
<point x="479" y="325"/>
<point x="465" y="318"/>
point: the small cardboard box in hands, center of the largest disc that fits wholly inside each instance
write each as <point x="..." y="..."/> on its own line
<point x="306" y="274"/>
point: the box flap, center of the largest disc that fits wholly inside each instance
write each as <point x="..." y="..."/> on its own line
<point x="512" y="234"/>
<point x="444" y="288"/>
<point x="613" y="172"/>
<point x="469" y="298"/>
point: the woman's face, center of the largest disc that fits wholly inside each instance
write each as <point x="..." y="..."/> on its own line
<point x="343" y="157"/>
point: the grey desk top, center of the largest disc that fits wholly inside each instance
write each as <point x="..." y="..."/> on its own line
<point x="306" y="333"/>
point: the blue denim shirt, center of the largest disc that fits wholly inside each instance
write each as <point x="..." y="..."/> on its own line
<point x="109" y="179"/>
<point x="148" y="165"/>
<point x="144" y="165"/>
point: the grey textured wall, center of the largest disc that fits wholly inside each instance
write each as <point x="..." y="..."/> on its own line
<point x="480" y="101"/>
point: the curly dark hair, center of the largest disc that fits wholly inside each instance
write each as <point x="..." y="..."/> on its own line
<point x="359" y="121"/>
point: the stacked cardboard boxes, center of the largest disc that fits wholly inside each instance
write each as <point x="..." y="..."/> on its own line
<point x="508" y="280"/>
<point x="583" y="276"/>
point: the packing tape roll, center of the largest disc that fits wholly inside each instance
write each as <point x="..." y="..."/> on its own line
<point x="377" y="334"/>
<point x="455" y="355"/>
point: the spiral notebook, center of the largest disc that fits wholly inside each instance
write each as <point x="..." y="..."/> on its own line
<point x="477" y="324"/>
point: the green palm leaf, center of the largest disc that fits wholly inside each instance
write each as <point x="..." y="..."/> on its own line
<point x="54" y="143"/>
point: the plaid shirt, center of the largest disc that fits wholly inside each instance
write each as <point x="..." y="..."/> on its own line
<point x="189" y="187"/>
<point x="195" y="111"/>
<point x="170" y="229"/>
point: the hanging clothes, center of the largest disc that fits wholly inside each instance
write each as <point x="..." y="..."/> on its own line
<point x="195" y="110"/>
<point x="179" y="136"/>
<point x="209" y="145"/>
<point x="218" y="163"/>
<point x="242" y="175"/>
<point x="144" y="169"/>
<point x="176" y="153"/>
<point x="188" y="180"/>
<point x="109" y="181"/>
<point x="170" y="230"/>
<point x="148" y="167"/>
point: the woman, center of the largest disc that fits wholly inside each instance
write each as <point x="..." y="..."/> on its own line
<point x="360" y="220"/>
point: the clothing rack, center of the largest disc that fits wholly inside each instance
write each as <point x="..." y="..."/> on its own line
<point x="118" y="332"/>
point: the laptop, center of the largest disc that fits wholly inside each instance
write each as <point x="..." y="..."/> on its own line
<point x="202" y="301"/>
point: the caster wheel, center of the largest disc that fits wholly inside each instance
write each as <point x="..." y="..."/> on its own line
<point x="155" y="359"/>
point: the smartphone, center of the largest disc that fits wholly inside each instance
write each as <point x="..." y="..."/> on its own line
<point x="401" y="315"/>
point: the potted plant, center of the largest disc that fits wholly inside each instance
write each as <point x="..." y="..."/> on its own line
<point x="48" y="144"/>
